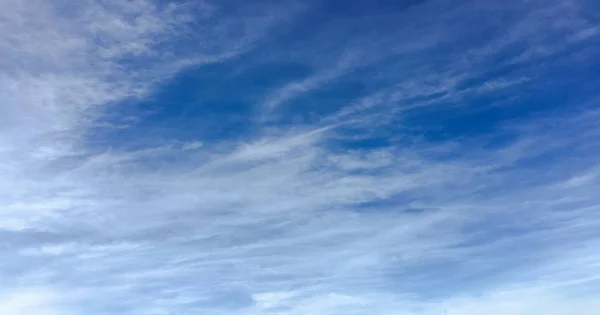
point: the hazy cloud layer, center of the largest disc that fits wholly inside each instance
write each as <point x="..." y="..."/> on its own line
<point x="417" y="157"/>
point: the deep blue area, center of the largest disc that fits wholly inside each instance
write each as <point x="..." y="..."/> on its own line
<point x="223" y="101"/>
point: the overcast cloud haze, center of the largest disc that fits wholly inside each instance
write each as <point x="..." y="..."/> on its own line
<point x="299" y="157"/>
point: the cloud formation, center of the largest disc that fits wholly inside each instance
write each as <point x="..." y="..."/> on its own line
<point x="422" y="167"/>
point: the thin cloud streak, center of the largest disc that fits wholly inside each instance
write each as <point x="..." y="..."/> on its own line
<point x="284" y="221"/>
<point x="197" y="237"/>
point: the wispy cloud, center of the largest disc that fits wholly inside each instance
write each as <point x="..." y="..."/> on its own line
<point x="307" y="218"/>
<point x="37" y="301"/>
<point x="412" y="73"/>
<point x="290" y="219"/>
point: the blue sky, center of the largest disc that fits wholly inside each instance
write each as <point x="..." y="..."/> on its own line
<point x="299" y="157"/>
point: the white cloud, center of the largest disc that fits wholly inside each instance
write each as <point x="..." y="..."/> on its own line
<point x="284" y="223"/>
<point x="30" y="301"/>
<point x="192" y="145"/>
<point x="241" y="223"/>
<point x="64" y="65"/>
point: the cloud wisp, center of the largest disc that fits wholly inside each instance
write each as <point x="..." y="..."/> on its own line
<point x="379" y="199"/>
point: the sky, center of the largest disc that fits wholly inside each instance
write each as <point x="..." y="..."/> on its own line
<point x="271" y="157"/>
